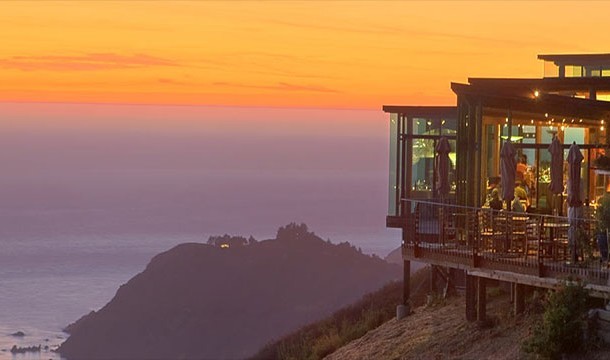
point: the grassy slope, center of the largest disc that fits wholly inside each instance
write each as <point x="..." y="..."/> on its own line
<point x="319" y="339"/>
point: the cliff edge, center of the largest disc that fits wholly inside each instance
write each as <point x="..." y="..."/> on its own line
<point x="204" y="301"/>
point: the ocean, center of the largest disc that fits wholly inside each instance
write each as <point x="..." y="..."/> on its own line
<point x="85" y="205"/>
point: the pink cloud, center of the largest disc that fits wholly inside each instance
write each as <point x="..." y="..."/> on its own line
<point x="87" y="62"/>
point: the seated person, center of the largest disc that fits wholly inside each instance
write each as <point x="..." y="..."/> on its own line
<point x="495" y="202"/>
<point x="493" y="183"/>
<point x="521" y="193"/>
<point x="516" y="205"/>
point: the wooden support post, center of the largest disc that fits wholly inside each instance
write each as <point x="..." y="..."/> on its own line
<point x="433" y="276"/>
<point x="481" y="298"/>
<point x="519" y="298"/>
<point x="471" y="311"/>
<point x="406" y="282"/>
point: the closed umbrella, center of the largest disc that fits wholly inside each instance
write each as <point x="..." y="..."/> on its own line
<point x="575" y="159"/>
<point x="508" y="168"/>
<point x="442" y="166"/>
<point x="556" y="150"/>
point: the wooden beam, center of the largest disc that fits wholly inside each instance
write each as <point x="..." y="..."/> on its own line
<point x="471" y="311"/>
<point x="481" y="298"/>
<point x="519" y="291"/>
<point x="406" y="282"/>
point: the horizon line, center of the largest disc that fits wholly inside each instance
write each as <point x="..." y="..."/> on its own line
<point x="191" y="105"/>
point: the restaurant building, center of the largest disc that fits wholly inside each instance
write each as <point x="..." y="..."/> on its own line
<point x="453" y="228"/>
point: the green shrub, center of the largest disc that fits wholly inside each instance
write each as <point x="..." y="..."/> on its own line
<point x="561" y="330"/>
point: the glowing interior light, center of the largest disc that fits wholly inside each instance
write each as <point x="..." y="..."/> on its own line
<point x="602" y="128"/>
<point x="562" y="128"/>
<point x="536" y="93"/>
<point x="532" y="121"/>
<point x="546" y="115"/>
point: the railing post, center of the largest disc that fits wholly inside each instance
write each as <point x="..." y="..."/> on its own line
<point x="540" y="260"/>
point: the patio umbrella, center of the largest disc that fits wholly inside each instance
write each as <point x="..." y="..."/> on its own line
<point x="508" y="169"/>
<point x="575" y="159"/>
<point x="556" y="185"/>
<point x="442" y="166"/>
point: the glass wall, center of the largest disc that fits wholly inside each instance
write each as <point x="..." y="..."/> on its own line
<point x="394" y="157"/>
<point x="425" y="136"/>
<point x="550" y="69"/>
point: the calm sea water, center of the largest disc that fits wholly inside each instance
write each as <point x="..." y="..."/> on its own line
<point x="90" y="193"/>
<point x="49" y="282"/>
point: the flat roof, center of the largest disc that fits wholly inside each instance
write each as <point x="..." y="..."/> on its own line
<point x="577" y="59"/>
<point x="543" y="84"/>
<point x="423" y="111"/>
<point x="545" y="103"/>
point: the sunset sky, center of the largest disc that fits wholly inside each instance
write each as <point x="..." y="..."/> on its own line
<point x="328" y="54"/>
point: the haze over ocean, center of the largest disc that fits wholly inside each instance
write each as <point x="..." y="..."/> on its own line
<point x="91" y="192"/>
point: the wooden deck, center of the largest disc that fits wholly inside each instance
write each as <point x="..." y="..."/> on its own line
<point x="525" y="249"/>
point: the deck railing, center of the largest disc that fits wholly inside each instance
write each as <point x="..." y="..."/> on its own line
<point x="531" y="244"/>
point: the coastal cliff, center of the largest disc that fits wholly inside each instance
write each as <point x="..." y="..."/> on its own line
<point x="204" y="301"/>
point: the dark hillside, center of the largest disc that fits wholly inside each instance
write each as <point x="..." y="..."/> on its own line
<point x="321" y="338"/>
<point x="203" y="301"/>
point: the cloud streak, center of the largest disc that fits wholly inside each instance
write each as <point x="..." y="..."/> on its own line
<point x="87" y="62"/>
<point x="280" y="86"/>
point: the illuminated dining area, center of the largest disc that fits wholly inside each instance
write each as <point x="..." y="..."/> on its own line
<point x="512" y="183"/>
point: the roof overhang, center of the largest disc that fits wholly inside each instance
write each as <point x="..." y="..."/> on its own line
<point x="577" y="59"/>
<point x="423" y="111"/>
<point x="544" y="85"/>
<point x="544" y="103"/>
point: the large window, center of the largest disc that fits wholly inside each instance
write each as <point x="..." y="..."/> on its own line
<point x="394" y="160"/>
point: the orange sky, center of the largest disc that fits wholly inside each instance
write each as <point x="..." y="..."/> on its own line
<point x="337" y="54"/>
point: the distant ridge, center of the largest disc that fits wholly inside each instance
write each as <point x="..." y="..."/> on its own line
<point x="204" y="301"/>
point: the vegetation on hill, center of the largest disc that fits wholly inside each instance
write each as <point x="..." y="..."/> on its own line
<point x="216" y="302"/>
<point x="563" y="324"/>
<point x="319" y="339"/>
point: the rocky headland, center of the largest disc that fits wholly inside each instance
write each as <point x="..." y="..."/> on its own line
<point x="216" y="301"/>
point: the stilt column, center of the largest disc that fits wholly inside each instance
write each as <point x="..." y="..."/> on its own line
<point x="519" y="298"/>
<point x="481" y="298"/>
<point x="471" y="298"/>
